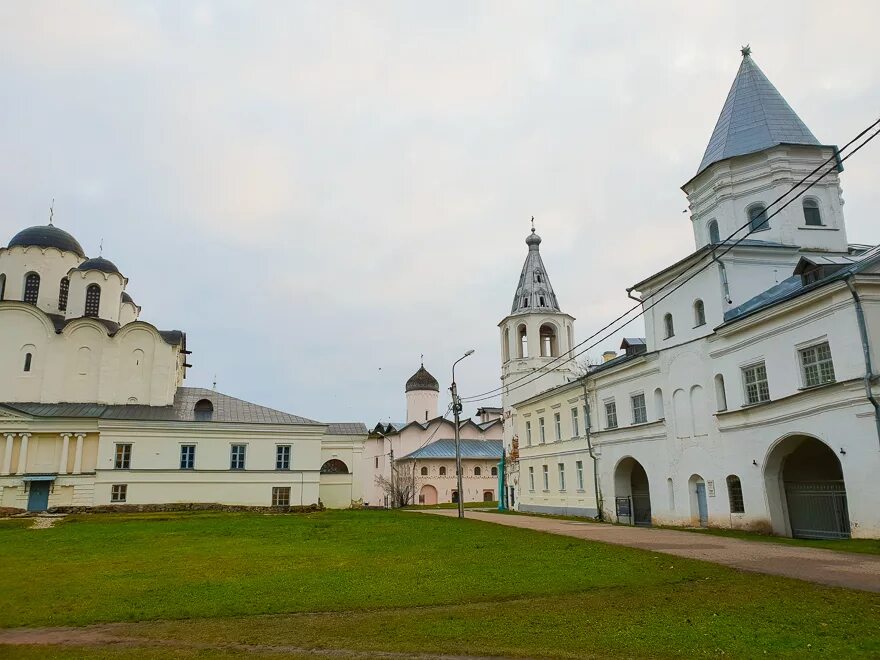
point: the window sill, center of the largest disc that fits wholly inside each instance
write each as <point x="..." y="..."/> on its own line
<point x="818" y="228"/>
<point x="756" y="405"/>
<point x="807" y="388"/>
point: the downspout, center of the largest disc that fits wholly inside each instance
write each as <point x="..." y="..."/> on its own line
<point x="587" y="424"/>
<point x="866" y="350"/>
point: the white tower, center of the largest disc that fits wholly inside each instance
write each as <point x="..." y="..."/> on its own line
<point x="422" y="394"/>
<point x="535" y="335"/>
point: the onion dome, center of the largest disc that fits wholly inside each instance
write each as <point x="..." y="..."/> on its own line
<point x="99" y="263"/>
<point x="533" y="239"/>
<point x="422" y="380"/>
<point x="47" y="236"/>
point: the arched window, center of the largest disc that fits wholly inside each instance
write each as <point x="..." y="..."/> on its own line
<point x="28" y="359"/>
<point x="549" y="342"/>
<point x="735" y="494"/>
<point x="2" y="286"/>
<point x="442" y="470"/>
<point x="478" y="472"/>
<point x="699" y="313"/>
<point x="63" y="290"/>
<point x="714" y="235"/>
<point x="758" y="217"/>
<point x="812" y="216"/>
<point x="93" y="300"/>
<point x="31" y="288"/>
<point x="668" y="326"/>
<point x="203" y="410"/>
<point x="522" y="342"/>
<point x="424" y="472"/>
<point x="720" y="394"/>
<point x="334" y="466"/>
<point x="494" y="471"/>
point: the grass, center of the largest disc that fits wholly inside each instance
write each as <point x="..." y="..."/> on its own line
<point x="401" y="582"/>
<point x="450" y="505"/>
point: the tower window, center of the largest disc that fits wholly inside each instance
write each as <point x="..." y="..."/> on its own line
<point x="31" y="288"/>
<point x="28" y="358"/>
<point x="525" y="302"/>
<point x="812" y="217"/>
<point x="2" y="286"/>
<point x="714" y="235"/>
<point x="668" y="326"/>
<point x="63" y="290"/>
<point x="93" y="300"/>
<point x="758" y="217"/>
<point x="699" y="313"/>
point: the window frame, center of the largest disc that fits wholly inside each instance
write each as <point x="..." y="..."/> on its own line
<point x="118" y="493"/>
<point x="634" y="409"/>
<point x="817" y="363"/>
<point x="813" y="206"/>
<point x="187" y="457"/>
<point x="763" y="397"/>
<point x="31" y="291"/>
<point x="668" y="326"/>
<point x="122" y="455"/>
<point x="283" y="457"/>
<point x="714" y="232"/>
<point x="546" y="477"/>
<point x="575" y="423"/>
<point x="557" y="425"/>
<point x="92" y="307"/>
<point x="63" y="293"/>
<point x="763" y="226"/>
<point x="735" y="499"/>
<point x="611" y="405"/>
<point x="542" y="434"/>
<point x="280" y="493"/>
<point x="699" y="313"/>
<point x="528" y="433"/>
<point x="532" y="478"/>
<point x="234" y="460"/>
<point x="579" y="473"/>
<point x="560" y="471"/>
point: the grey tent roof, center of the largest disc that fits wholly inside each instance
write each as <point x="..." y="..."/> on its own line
<point x="227" y="409"/>
<point x="534" y="292"/>
<point x="487" y="449"/>
<point x="754" y="117"/>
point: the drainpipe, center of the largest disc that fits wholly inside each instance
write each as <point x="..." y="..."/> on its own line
<point x="866" y="350"/>
<point x="587" y="425"/>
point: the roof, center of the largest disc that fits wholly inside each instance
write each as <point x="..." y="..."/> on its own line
<point x="99" y="263"/>
<point x="227" y="409"/>
<point x="534" y="292"/>
<point x="422" y="380"/>
<point x="632" y="341"/>
<point x="172" y="337"/>
<point x="347" y="428"/>
<point x="47" y="236"/>
<point x="490" y="449"/>
<point x="754" y="117"/>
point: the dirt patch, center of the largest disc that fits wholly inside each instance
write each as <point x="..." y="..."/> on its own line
<point x="45" y="522"/>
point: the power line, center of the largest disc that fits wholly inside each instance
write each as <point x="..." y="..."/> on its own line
<point x="543" y="370"/>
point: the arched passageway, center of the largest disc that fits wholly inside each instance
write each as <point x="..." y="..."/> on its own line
<point x="631" y="481"/>
<point x="806" y="492"/>
<point x="428" y="495"/>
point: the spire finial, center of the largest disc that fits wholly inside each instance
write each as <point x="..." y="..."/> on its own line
<point x="533" y="224"/>
<point x="746" y="50"/>
<point x="52" y="212"/>
<point x="214" y="386"/>
<point x="422" y="359"/>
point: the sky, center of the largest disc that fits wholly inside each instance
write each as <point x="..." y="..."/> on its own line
<point x="317" y="193"/>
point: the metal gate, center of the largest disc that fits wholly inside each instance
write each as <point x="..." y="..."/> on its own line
<point x="817" y="509"/>
<point x="641" y="504"/>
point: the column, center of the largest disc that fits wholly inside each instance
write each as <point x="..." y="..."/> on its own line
<point x="78" y="458"/>
<point x="65" y="450"/>
<point x="22" y="453"/>
<point x="7" y="455"/>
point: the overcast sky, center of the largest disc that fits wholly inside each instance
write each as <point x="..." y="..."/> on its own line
<point x="319" y="192"/>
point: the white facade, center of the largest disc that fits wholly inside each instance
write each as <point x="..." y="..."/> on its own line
<point x="752" y="403"/>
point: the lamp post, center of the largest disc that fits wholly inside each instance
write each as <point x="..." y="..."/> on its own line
<point x="456" y="410"/>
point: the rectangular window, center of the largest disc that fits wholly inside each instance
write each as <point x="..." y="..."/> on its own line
<point x="531" y="478"/>
<point x="529" y="434"/>
<point x="575" y="424"/>
<point x="118" y="492"/>
<point x="541" y="430"/>
<point x="546" y="478"/>
<point x="561" y="467"/>
<point x="639" y="411"/>
<point x="122" y="460"/>
<point x="817" y="366"/>
<point x="282" y="457"/>
<point x="755" y="381"/>
<point x="281" y="496"/>
<point x="377" y="462"/>
<point x="187" y="457"/>
<point x="579" y="468"/>
<point x="610" y="415"/>
<point x="237" y="456"/>
<point x="557" y="421"/>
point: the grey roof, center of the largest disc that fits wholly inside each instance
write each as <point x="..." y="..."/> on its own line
<point x="227" y="409"/>
<point x="422" y="380"/>
<point x="127" y="298"/>
<point x="347" y="428"/>
<point x="172" y="337"/>
<point x="98" y="263"/>
<point x="534" y="292"/>
<point x="632" y="341"/>
<point x="754" y="117"/>
<point x="489" y="449"/>
<point x="47" y="236"/>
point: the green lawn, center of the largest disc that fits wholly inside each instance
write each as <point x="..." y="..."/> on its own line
<point x="402" y="582"/>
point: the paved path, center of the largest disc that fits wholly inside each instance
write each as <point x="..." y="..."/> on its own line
<point x="838" y="569"/>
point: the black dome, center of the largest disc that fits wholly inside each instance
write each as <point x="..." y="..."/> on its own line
<point x="47" y="236"/>
<point x="127" y="298"/>
<point x="99" y="263"/>
<point x="422" y="380"/>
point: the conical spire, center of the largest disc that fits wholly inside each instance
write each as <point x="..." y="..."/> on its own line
<point x="534" y="293"/>
<point x="754" y="117"/>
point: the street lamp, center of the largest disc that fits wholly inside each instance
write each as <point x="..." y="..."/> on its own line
<point x="456" y="409"/>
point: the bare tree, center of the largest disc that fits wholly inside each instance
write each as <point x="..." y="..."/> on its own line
<point x="580" y="366"/>
<point x="401" y="488"/>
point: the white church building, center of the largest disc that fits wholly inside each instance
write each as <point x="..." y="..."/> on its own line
<point x="752" y="401"/>
<point x="93" y="410"/>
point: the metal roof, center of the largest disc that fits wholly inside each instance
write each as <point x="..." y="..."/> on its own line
<point x="488" y="449"/>
<point x="422" y="380"/>
<point x="754" y="117"/>
<point x="47" y="236"/>
<point x="98" y="263"/>
<point x="347" y="428"/>
<point x="534" y="292"/>
<point x="227" y="409"/>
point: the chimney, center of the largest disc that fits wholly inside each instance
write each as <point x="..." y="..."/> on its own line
<point x="608" y="355"/>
